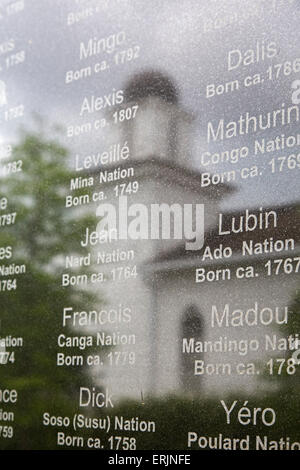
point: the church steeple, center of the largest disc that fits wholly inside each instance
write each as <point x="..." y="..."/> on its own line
<point x="151" y="83"/>
<point x="161" y="128"/>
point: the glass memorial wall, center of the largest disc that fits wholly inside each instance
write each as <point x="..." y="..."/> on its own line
<point x="149" y="224"/>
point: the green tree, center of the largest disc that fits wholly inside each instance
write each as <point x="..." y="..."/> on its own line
<point x="44" y="232"/>
<point x="289" y="379"/>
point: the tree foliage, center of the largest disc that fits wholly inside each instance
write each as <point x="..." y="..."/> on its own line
<point x="43" y="234"/>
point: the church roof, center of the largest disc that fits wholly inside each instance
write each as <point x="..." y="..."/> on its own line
<point x="288" y="227"/>
<point x="151" y="83"/>
<point x="170" y="172"/>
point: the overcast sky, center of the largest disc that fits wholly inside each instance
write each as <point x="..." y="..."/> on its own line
<point x="172" y="38"/>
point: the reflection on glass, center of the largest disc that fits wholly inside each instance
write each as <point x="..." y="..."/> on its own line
<point x="149" y="226"/>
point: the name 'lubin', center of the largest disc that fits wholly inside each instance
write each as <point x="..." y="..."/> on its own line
<point x="248" y="222"/>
